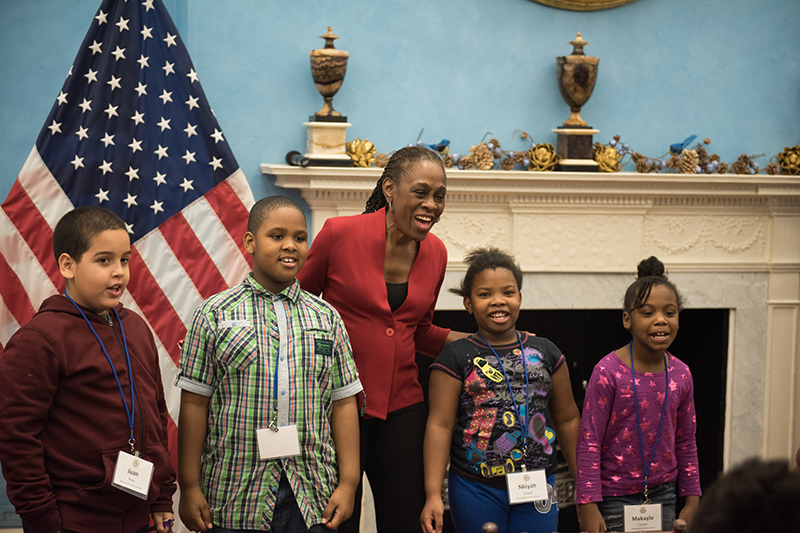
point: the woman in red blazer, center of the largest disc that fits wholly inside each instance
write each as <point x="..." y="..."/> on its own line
<point x="382" y="270"/>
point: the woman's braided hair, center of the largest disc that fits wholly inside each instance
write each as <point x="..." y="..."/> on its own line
<point x="651" y="274"/>
<point x="398" y="167"/>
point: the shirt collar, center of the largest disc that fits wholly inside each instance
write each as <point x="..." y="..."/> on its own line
<point x="292" y="292"/>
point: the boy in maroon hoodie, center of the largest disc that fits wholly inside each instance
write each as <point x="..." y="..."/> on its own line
<point x="83" y="443"/>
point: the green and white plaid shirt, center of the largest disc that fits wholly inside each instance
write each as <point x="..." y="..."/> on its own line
<point x="230" y="356"/>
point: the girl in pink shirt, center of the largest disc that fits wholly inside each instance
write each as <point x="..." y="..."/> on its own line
<point x="636" y="443"/>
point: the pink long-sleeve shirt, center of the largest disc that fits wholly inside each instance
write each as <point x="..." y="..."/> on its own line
<point x="609" y="456"/>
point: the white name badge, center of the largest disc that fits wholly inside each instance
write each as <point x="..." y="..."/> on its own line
<point x="282" y="443"/>
<point x="132" y="475"/>
<point x="527" y="486"/>
<point x="643" y="517"/>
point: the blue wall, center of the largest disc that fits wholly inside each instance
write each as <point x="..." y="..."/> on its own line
<point x="724" y="69"/>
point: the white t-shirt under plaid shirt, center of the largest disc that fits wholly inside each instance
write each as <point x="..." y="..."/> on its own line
<point x="230" y="356"/>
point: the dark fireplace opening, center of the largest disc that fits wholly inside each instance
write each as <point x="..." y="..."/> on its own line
<point x="585" y="336"/>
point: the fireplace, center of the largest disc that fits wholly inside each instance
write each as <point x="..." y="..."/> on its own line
<point x="731" y="244"/>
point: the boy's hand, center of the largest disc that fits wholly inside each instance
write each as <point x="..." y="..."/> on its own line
<point x="432" y="514"/>
<point x="163" y="522"/>
<point x="339" y="507"/>
<point x="590" y="518"/>
<point x="194" y="510"/>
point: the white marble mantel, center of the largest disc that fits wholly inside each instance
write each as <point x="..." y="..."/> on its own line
<point x="728" y="241"/>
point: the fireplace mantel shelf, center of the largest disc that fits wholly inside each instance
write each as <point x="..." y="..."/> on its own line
<point x="731" y="241"/>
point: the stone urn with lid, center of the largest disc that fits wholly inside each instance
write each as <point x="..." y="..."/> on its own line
<point x="576" y="74"/>
<point x="328" y="67"/>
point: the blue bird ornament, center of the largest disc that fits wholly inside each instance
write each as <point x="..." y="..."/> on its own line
<point x="677" y="148"/>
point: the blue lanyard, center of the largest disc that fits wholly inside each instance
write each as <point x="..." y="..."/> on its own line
<point x="639" y="424"/>
<point x="130" y="412"/>
<point x="522" y="426"/>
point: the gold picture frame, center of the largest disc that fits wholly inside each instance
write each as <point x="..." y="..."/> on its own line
<point x="584" y="5"/>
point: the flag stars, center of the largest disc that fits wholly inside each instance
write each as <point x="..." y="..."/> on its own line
<point x="189" y="157"/>
<point x="129" y="228"/>
<point x="102" y="18"/>
<point x="95" y="47"/>
<point x="105" y="167"/>
<point x="119" y="53"/>
<point x="62" y="98"/>
<point x="161" y="152"/>
<point x="77" y="162"/>
<point x="217" y="136"/>
<point x="143" y="61"/>
<point x="190" y="130"/>
<point x="164" y="124"/>
<point x="82" y="133"/>
<point x="90" y="76"/>
<point x="146" y="33"/>
<point x="170" y="40"/>
<point x="192" y="75"/>
<point x="156" y="207"/>
<point x="137" y="118"/>
<point x="102" y="196"/>
<point x="130" y="200"/>
<point x="112" y="111"/>
<point x="148" y="4"/>
<point x="166" y="96"/>
<point x="133" y="174"/>
<point x="55" y="127"/>
<point x="215" y="163"/>
<point x="160" y="178"/>
<point x="123" y="24"/>
<point x="141" y="89"/>
<point x="135" y="145"/>
<point x="192" y="102"/>
<point x="186" y="185"/>
<point x="107" y="139"/>
<point x="86" y="105"/>
<point x="114" y="82"/>
<point x="168" y="68"/>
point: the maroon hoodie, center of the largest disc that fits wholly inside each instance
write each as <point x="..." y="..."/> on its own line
<point x="62" y="420"/>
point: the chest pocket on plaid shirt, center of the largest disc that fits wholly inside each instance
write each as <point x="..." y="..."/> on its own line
<point x="238" y="347"/>
<point x="318" y="346"/>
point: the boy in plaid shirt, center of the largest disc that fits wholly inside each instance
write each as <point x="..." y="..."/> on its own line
<point x="268" y="408"/>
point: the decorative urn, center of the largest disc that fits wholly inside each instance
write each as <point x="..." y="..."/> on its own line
<point x="576" y="74"/>
<point x="328" y="67"/>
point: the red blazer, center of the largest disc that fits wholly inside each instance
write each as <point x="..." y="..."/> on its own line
<point x="345" y="265"/>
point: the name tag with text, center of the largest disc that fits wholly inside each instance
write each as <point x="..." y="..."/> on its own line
<point x="643" y="517"/>
<point x="132" y="475"/>
<point x="527" y="486"/>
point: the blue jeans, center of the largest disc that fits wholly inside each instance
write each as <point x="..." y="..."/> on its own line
<point x="612" y="507"/>
<point x="286" y="518"/>
<point x="472" y="504"/>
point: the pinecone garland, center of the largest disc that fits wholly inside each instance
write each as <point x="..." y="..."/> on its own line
<point x="494" y="142"/>
<point x="789" y="160"/>
<point x="740" y="167"/>
<point x="689" y="162"/>
<point x="674" y="162"/>
<point x="519" y="157"/>
<point x="482" y="157"/>
<point x="772" y="168"/>
<point x="606" y="157"/>
<point x="507" y="163"/>
<point x="543" y="157"/>
<point x="448" y="162"/>
<point x="722" y="168"/>
<point x="466" y="162"/>
<point x="381" y="160"/>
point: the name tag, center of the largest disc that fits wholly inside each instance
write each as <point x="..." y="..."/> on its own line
<point x="527" y="486"/>
<point x="227" y="324"/>
<point x="643" y="517"/>
<point x="282" y="443"/>
<point x="132" y="475"/>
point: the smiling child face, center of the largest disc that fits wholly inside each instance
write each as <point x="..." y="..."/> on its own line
<point x="279" y="248"/>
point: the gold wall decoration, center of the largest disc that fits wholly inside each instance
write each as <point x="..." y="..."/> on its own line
<point x="584" y="5"/>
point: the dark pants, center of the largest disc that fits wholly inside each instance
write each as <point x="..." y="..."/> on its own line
<point x="286" y="518"/>
<point x="613" y="507"/>
<point x="391" y="455"/>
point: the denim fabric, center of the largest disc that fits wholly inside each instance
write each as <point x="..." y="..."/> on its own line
<point x="472" y="504"/>
<point x="612" y="507"/>
<point x="286" y="518"/>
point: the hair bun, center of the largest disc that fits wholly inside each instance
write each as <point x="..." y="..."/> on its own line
<point x="651" y="267"/>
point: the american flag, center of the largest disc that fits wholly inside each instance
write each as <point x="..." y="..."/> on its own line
<point x="131" y="130"/>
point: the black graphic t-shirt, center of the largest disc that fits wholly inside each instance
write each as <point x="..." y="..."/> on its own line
<point x="487" y="440"/>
